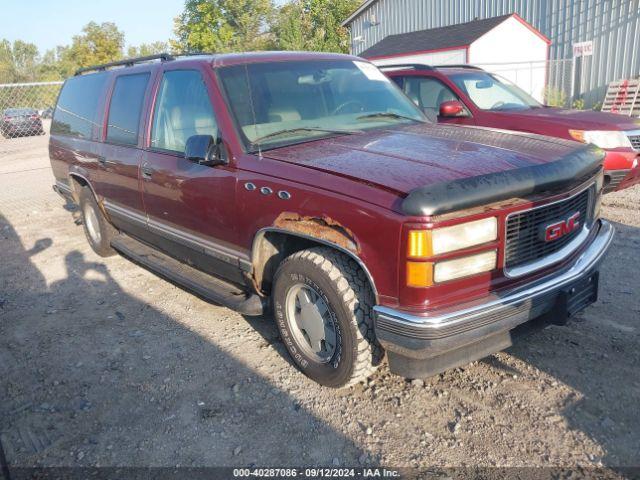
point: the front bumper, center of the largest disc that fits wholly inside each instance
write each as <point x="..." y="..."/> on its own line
<point x="423" y="345"/>
<point x="621" y="179"/>
<point x="621" y="170"/>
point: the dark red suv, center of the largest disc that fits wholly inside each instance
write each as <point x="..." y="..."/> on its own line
<point x="309" y="186"/>
<point x="468" y="95"/>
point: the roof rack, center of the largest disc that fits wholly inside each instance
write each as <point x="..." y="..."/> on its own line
<point x="460" y="65"/>
<point x="423" y="66"/>
<point x="192" y="54"/>
<point x="414" y="66"/>
<point x="129" y="62"/>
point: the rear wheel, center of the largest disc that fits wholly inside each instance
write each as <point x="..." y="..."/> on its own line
<point x="97" y="229"/>
<point x="323" y="305"/>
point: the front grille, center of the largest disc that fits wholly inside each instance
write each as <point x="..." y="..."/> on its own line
<point x="523" y="239"/>
<point x="635" y="141"/>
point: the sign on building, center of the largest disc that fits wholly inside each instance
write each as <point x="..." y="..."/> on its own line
<point x="583" y="49"/>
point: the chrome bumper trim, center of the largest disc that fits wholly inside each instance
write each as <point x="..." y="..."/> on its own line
<point x="444" y="320"/>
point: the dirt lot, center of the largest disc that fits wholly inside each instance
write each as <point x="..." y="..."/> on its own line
<point x="103" y="363"/>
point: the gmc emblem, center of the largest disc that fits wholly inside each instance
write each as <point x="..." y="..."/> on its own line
<point x="560" y="229"/>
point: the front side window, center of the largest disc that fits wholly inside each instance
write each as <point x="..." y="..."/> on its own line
<point x="183" y="109"/>
<point x="125" y="109"/>
<point x="428" y="94"/>
<point x="276" y="104"/>
<point x="490" y="92"/>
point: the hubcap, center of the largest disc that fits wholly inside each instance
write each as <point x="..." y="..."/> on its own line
<point x="91" y="221"/>
<point x="311" y="322"/>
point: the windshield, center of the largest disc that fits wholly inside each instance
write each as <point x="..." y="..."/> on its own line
<point x="490" y="92"/>
<point x="277" y="104"/>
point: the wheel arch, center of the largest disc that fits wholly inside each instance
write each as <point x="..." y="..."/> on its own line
<point x="272" y="244"/>
<point x="78" y="180"/>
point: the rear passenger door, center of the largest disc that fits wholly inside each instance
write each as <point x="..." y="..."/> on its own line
<point x="191" y="207"/>
<point x="121" y="151"/>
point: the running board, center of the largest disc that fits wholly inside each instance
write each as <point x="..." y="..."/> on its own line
<point x="206" y="286"/>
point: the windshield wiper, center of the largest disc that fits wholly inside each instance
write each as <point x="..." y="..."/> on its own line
<point x="388" y="115"/>
<point x="286" y="131"/>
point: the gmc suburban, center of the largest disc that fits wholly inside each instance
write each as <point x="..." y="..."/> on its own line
<point x="308" y="185"/>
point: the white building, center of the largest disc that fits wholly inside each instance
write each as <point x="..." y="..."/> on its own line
<point x="611" y="29"/>
<point x="506" y="45"/>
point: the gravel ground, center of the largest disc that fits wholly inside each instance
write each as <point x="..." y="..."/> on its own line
<point x="104" y="364"/>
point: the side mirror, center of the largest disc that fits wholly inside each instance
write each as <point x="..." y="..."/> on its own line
<point x="453" y="108"/>
<point x="204" y="150"/>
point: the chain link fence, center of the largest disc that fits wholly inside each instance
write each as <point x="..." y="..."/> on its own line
<point x="560" y="83"/>
<point x="25" y="110"/>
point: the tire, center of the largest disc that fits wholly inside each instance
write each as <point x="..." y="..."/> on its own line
<point x="97" y="229"/>
<point x="324" y="277"/>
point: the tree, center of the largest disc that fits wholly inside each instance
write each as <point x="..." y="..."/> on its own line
<point x="314" y="25"/>
<point x="146" y="49"/>
<point x="7" y="69"/>
<point x="289" y="29"/>
<point x="18" y="61"/>
<point x="50" y="67"/>
<point x="223" y="25"/>
<point x="97" y="44"/>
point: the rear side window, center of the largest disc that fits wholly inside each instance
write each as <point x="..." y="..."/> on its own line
<point x="125" y="108"/>
<point x="76" y="112"/>
<point x="183" y="109"/>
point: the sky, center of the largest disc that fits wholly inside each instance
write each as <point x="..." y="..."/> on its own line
<point x="49" y="23"/>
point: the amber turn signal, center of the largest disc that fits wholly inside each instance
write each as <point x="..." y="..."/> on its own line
<point x="419" y="274"/>
<point x="419" y="244"/>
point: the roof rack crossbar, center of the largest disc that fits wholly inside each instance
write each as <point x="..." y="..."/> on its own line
<point x="128" y="62"/>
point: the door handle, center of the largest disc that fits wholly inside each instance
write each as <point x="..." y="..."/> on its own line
<point x="102" y="159"/>
<point x="147" y="171"/>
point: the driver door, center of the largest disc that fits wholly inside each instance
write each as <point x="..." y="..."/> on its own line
<point x="190" y="207"/>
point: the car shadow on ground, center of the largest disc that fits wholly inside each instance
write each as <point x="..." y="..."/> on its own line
<point x="596" y="355"/>
<point x="82" y="363"/>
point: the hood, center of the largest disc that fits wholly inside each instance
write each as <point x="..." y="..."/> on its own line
<point x="576" y="119"/>
<point x="406" y="158"/>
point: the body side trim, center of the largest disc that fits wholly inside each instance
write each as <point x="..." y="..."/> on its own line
<point x="188" y="240"/>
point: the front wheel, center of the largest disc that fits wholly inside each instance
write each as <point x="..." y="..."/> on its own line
<point x="323" y="308"/>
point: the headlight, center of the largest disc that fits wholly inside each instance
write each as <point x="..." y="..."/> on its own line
<point x="463" y="267"/>
<point x="602" y="138"/>
<point x="426" y="243"/>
